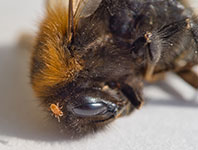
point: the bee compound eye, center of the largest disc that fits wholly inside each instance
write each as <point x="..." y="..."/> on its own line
<point x="90" y="109"/>
<point x="94" y="109"/>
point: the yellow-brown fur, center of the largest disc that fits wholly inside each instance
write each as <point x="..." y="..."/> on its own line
<point x="59" y="65"/>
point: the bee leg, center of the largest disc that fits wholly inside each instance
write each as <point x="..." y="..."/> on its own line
<point x="150" y="47"/>
<point x="158" y="41"/>
<point x="153" y="51"/>
<point x="186" y="72"/>
<point x="133" y="95"/>
<point x="189" y="76"/>
<point x="151" y="77"/>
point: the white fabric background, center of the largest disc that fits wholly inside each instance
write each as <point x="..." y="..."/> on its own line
<point x="168" y="119"/>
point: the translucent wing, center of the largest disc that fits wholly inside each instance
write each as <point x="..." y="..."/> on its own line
<point x="81" y="8"/>
<point x="86" y="8"/>
<point x="75" y="9"/>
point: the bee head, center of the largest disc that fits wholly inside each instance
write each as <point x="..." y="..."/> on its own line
<point x="85" y="110"/>
<point x="56" y="76"/>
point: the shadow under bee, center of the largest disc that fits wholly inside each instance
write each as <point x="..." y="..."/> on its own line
<point x="177" y="99"/>
<point x="20" y="113"/>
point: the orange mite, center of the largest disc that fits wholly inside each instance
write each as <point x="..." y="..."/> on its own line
<point x="56" y="111"/>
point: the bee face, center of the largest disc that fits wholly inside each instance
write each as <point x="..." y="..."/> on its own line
<point x="85" y="110"/>
<point x="92" y="57"/>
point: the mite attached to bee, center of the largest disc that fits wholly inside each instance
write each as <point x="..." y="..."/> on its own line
<point x="56" y="111"/>
<point x="92" y="56"/>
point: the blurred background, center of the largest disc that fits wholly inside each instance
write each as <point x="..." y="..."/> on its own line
<point x="167" y="121"/>
<point x="18" y="17"/>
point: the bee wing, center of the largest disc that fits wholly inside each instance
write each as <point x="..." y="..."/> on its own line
<point x="85" y="8"/>
<point x="75" y="10"/>
<point x="81" y="8"/>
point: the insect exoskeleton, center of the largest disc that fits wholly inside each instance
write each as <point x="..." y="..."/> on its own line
<point x="56" y="110"/>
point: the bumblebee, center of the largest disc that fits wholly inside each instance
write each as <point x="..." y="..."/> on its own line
<point x="91" y="57"/>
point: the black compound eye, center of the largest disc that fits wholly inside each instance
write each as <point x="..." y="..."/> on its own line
<point x="93" y="107"/>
